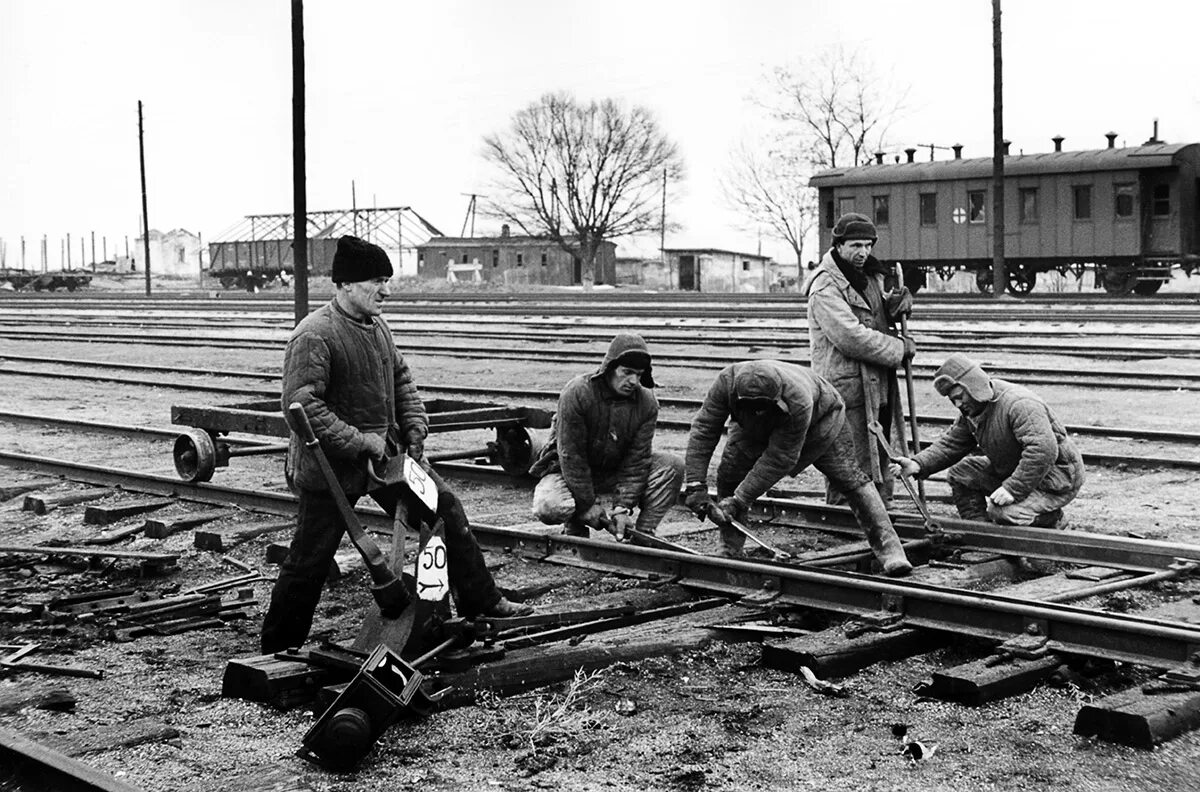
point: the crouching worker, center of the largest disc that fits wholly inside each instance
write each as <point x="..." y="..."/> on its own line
<point x="601" y="444"/>
<point x="785" y="418"/>
<point x="342" y="366"/>
<point x="1029" y="468"/>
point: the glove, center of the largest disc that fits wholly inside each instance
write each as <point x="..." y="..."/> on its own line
<point x="905" y="466"/>
<point x="898" y="302"/>
<point x="416" y="450"/>
<point x="910" y="347"/>
<point x="728" y="509"/>
<point x="373" y="446"/>
<point x="699" y="501"/>
<point x="595" y="516"/>
<point x="1001" y="497"/>
<point x="621" y="522"/>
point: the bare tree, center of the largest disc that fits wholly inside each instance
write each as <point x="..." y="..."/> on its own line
<point x="580" y="173"/>
<point x="769" y="189"/>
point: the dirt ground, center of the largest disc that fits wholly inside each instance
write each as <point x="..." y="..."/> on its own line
<point x="709" y="719"/>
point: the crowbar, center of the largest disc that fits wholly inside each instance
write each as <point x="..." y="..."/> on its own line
<point x="874" y="428"/>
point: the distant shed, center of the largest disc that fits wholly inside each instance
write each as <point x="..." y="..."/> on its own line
<point x="713" y="270"/>
<point x="511" y="260"/>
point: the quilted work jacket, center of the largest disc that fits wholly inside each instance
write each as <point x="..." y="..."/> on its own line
<point x="852" y="348"/>
<point x="811" y="416"/>
<point x="351" y="381"/>
<point x="597" y="435"/>
<point x="1025" y="443"/>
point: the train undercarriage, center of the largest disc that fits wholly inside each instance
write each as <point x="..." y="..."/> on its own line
<point x="1116" y="276"/>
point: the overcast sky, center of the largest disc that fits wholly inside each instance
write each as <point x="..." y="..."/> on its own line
<point x="400" y="94"/>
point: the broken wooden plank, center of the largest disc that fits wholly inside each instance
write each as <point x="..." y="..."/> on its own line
<point x="111" y="513"/>
<point x="221" y="538"/>
<point x="124" y="734"/>
<point x="162" y="527"/>
<point x="54" y="699"/>
<point x="281" y="683"/>
<point x="11" y="489"/>
<point x="41" y="504"/>
<point x="38" y="766"/>
<point x="90" y="552"/>
<point x="115" y="535"/>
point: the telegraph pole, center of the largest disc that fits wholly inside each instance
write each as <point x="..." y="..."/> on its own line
<point x="299" y="193"/>
<point x="999" y="275"/>
<point x="145" y="216"/>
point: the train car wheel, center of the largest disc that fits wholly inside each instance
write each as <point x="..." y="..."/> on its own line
<point x="1146" y="288"/>
<point x="1118" y="281"/>
<point x="1021" y="281"/>
<point x="983" y="280"/>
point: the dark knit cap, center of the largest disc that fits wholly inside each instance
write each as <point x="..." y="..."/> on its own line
<point x="358" y="260"/>
<point x="854" y="226"/>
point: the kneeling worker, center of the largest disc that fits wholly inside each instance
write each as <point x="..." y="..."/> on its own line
<point x="785" y="418"/>
<point x="601" y="443"/>
<point x="1029" y="469"/>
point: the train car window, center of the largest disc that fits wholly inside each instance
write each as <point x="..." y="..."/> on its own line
<point x="928" y="209"/>
<point x="1083" y="202"/>
<point x="880" y="205"/>
<point x="845" y="206"/>
<point x="1027" y="202"/>
<point x="520" y="259"/>
<point x="829" y="218"/>
<point x="1162" y="200"/>
<point x="1123" y="200"/>
<point x="543" y="259"/>
<point x="495" y="258"/>
<point x="975" y="206"/>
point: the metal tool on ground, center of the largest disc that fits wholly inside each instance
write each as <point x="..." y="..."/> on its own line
<point x="15" y="660"/>
<point x="908" y="380"/>
<point x="388" y="590"/>
<point x="917" y="497"/>
<point x="776" y="553"/>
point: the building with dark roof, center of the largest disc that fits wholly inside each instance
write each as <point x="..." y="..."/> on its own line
<point x="510" y="260"/>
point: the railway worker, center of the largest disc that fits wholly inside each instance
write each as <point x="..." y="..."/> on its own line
<point x="1029" y="468"/>
<point x="342" y="365"/>
<point x="601" y="445"/>
<point x="853" y="343"/>
<point x="785" y="418"/>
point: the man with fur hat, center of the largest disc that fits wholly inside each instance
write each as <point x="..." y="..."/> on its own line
<point x="342" y="366"/>
<point x="853" y="342"/>
<point x="1029" y="469"/>
<point x="601" y="443"/>
<point x="785" y="418"/>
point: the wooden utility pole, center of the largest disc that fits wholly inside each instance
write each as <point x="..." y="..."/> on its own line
<point x="999" y="275"/>
<point x="299" y="192"/>
<point x="145" y="216"/>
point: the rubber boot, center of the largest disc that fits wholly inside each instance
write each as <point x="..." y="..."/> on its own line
<point x="970" y="503"/>
<point x="1051" y="519"/>
<point x="575" y="527"/>
<point x="873" y="518"/>
<point x="732" y="542"/>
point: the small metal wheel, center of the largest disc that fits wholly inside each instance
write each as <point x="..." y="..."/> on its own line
<point x="195" y="455"/>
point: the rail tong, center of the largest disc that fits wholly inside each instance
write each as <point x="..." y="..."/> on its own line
<point x="877" y="430"/>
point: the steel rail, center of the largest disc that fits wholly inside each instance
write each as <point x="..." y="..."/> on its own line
<point x="1071" y="630"/>
<point x="39" y="767"/>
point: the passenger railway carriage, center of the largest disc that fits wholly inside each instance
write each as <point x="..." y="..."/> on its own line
<point x="1130" y="213"/>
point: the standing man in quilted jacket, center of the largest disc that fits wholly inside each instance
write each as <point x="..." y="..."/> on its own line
<point x="601" y="444"/>
<point x="342" y="366"/>
<point x="851" y="316"/>
<point x="785" y="418"/>
<point x="1029" y="468"/>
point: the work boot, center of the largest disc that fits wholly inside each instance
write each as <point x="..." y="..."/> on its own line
<point x="873" y="519"/>
<point x="506" y="609"/>
<point x="573" y="527"/>
<point x="1051" y="519"/>
<point x="970" y="503"/>
<point x="732" y="542"/>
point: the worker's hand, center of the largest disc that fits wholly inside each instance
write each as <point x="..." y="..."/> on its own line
<point x="416" y="450"/>
<point x="620" y="521"/>
<point x="910" y="347"/>
<point x="905" y="466"/>
<point x="898" y="302"/>
<point x="1001" y="497"/>
<point x="594" y="517"/>
<point x="728" y="509"/>
<point x="373" y="446"/>
<point x="699" y="501"/>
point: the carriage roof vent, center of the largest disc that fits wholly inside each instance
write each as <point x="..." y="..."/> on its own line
<point x="878" y="157"/>
<point x="958" y="147"/>
<point x="1112" y="139"/>
<point x="1058" y="141"/>
<point x="910" y="152"/>
<point x="1006" y="144"/>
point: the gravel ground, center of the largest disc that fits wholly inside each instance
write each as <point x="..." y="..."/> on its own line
<point x="713" y="718"/>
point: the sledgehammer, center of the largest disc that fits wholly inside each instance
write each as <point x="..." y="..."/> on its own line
<point x="389" y="592"/>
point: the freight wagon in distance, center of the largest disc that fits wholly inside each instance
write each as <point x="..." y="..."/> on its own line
<point x="1130" y="214"/>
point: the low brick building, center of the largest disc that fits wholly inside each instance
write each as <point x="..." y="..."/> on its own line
<point x="510" y="259"/>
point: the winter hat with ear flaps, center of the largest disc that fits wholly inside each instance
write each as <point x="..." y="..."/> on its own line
<point x="961" y="370"/>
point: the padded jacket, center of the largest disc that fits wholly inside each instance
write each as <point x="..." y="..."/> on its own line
<point x="1025" y="443"/>
<point x="351" y="380"/>
<point x="597" y="435"/>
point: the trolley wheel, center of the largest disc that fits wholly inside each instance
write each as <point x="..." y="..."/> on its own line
<point x="195" y="455"/>
<point x="512" y="450"/>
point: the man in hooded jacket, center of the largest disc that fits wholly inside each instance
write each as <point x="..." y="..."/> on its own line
<point x="1029" y="468"/>
<point x="785" y="418"/>
<point x="851" y="316"/>
<point x="601" y="443"/>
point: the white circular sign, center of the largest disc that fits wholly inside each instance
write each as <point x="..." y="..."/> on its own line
<point x="433" y="576"/>
<point x="960" y="215"/>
